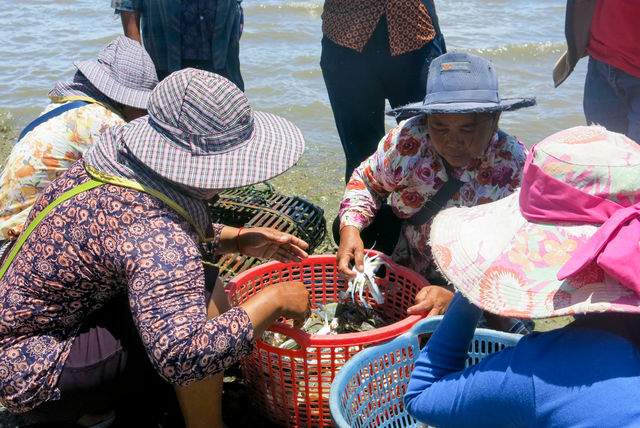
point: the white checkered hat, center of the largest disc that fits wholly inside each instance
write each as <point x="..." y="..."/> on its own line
<point x="201" y="132"/>
<point x="123" y="72"/>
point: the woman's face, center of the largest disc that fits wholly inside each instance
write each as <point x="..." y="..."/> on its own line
<point x="132" y="113"/>
<point x="460" y="138"/>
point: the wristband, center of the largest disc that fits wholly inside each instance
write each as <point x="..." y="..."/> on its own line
<point x="238" y="239"/>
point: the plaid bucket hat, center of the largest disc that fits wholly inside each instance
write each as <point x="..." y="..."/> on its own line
<point x="201" y="132"/>
<point x="460" y="82"/>
<point x="123" y="71"/>
<point x="566" y="243"/>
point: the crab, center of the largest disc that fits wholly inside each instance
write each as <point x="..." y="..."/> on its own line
<point x="321" y="321"/>
<point x="367" y="279"/>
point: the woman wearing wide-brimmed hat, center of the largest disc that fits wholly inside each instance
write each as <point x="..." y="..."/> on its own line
<point x="107" y="91"/>
<point x="453" y="137"/>
<point x="131" y="243"/>
<point x="565" y="244"/>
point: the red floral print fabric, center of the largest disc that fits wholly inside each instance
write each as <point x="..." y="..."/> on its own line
<point x="406" y="171"/>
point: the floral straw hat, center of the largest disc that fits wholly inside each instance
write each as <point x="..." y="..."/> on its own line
<point x="123" y="71"/>
<point x="566" y="243"/>
<point x="201" y="132"/>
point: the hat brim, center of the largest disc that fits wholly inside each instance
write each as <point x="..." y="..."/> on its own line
<point x="273" y="147"/>
<point x="99" y="77"/>
<point x="415" y="109"/>
<point x="507" y="265"/>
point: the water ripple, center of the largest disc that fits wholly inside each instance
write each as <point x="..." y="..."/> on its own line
<point x="280" y="53"/>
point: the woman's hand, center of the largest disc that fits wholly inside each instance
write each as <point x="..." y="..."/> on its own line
<point x="432" y="300"/>
<point x="287" y="299"/>
<point x="268" y="243"/>
<point x="294" y="299"/>
<point x="351" y="248"/>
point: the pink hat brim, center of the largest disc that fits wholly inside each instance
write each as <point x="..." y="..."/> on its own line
<point x="507" y="265"/>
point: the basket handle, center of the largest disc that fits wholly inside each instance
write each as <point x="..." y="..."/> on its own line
<point x="426" y="325"/>
<point x="301" y="337"/>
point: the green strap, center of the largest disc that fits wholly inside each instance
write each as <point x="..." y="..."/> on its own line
<point x="25" y="233"/>
<point x="125" y="182"/>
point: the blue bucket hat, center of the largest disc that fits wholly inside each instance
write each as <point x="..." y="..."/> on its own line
<point x="460" y="82"/>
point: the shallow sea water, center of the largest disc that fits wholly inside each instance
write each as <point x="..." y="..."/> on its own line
<point x="280" y="51"/>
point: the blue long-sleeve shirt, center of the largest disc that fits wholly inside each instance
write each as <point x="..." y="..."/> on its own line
<point x="569" y="377"/>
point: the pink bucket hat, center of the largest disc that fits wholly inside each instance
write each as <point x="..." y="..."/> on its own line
<point x="201" y="132"/>
<point x="566" y="243"/>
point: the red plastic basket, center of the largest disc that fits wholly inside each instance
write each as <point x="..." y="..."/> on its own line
<point x="291" y="387"/>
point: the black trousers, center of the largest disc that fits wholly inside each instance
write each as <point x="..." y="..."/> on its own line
<point x="358" y="83"/>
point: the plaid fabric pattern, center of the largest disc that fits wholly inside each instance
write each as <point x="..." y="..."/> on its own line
<point x="4" y="246"/>
<point x="79" y="87"/>
<point x="162" y="30"/>
<point x="202" y="133"/>
<point x="109" y="155"/>
<point x="123" y="72"/>
<point x="351" y="23"/>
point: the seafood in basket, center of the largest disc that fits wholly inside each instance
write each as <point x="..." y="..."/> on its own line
<point x="332" y="318"/>
<point x="290" y="387"/>
<point x="367" y="279"/>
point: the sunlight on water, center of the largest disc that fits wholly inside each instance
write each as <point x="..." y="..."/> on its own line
<point x="280" y="54"/>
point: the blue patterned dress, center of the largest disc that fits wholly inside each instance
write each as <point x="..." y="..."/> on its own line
<point x="104" y="243"/>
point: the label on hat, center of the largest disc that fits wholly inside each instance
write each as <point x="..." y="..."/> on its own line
<point x="456" y="66"/>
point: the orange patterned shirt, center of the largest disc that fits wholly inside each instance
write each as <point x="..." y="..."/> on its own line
<point x="45" y="153"/>
<point x="350" y="23"/>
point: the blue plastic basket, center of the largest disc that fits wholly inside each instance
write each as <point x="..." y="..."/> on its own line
<point x="368" y="390"/>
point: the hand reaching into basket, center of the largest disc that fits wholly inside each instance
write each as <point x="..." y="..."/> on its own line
<point x="351" y="248"/>
<point x="431" y="300"/>
<point x="264" y="243"/>
<point x="287" y="299"/>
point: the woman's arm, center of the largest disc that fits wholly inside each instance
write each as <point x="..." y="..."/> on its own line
<point x="163" y="269"/>
<point x="442" y="392"/>
<point x="129" y="11"/>
<point x="446" y="350"/>
<point x="263" y="243"/>
<point x="131" y="25"/>
<point x="369" y="186"/>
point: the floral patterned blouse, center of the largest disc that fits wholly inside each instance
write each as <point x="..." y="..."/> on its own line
<point x="97" y="245"/>
<point x="408" y="171"/>
<point x="44" y="154"/>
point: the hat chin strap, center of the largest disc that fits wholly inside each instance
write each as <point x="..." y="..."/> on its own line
<point x="615" y="247"/>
